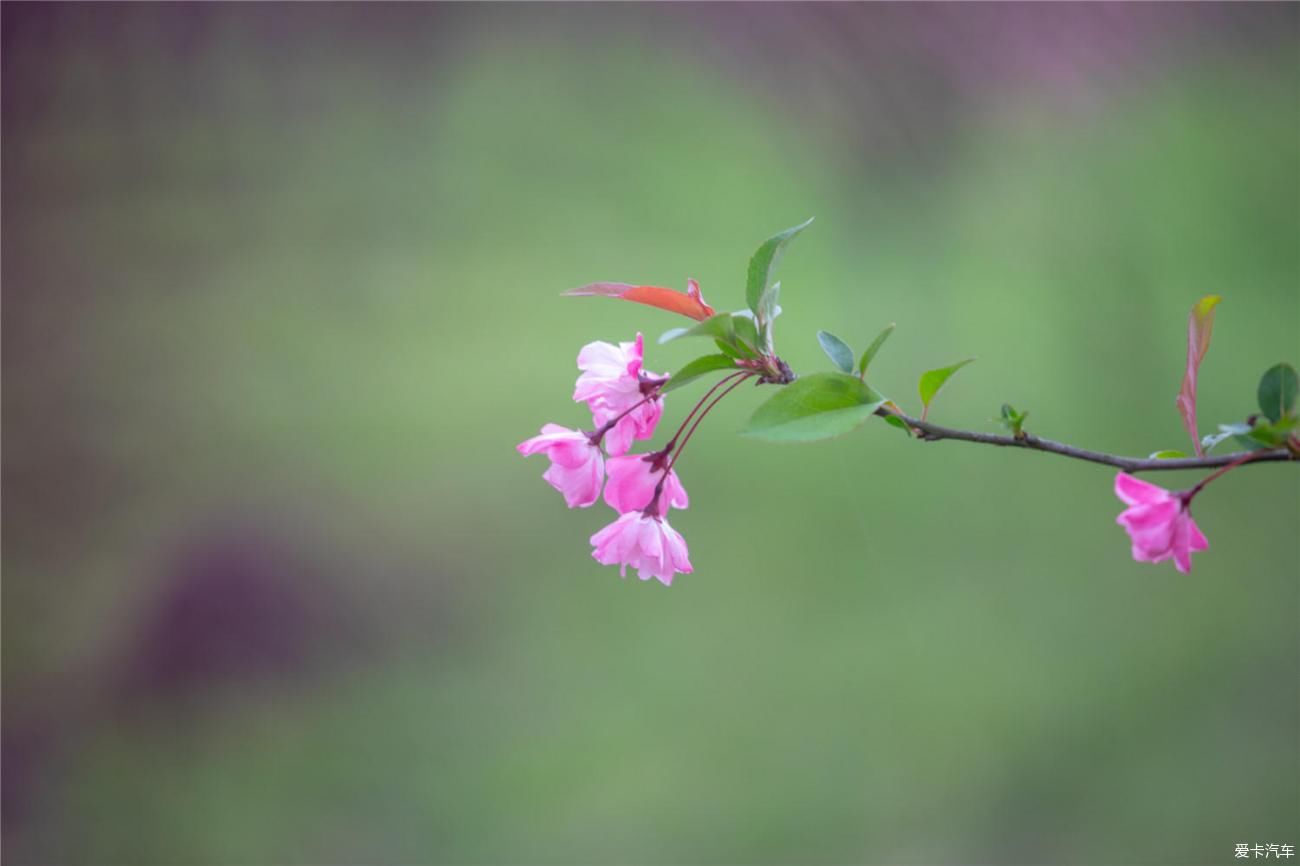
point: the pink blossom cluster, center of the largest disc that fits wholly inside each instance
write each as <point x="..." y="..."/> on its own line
<point x="626" y="405"/>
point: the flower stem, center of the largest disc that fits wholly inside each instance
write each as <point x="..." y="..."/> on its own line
<point x="702" y="401"/>
<point x="652" y="509"/>
<point x="1191" y="494"/>
<point x="707" y="409"/>
<point x="599" y="433"/>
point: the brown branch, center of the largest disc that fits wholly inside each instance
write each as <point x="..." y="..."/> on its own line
<point x="935" y="433"/>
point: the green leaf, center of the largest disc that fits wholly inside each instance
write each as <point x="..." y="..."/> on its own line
<point x="814" y="407"/>
<point x="745" y="329"/>
<point x="895" y="421"/>
<point x="719" y="327"/>
<point x="729" y="350"/>
<point x="701" y="366"/>
<point x="764" y="262"/>
<point x="768" y="308"/>
<point x="1226" y="431"/>
<point x="1273" y="434"/>
<point x="837" y="350"/>
<point x="672" y="334"/>
<point x="1013" y="420"/>
<point x="1167" y="455"/>
<point x="870" y="354"/>
<point x="1277" y="391"/>
<point x="932" y="381"/>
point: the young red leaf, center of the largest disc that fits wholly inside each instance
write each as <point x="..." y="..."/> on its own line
<point x="690" y="304"/>
<point x="1200" y="323"/>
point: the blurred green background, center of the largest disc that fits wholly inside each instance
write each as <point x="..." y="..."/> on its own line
<point x="281" y="295"/>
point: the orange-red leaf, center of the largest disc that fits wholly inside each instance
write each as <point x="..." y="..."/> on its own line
<point x="1200" y="324"/>
<point x="690" y="304"/>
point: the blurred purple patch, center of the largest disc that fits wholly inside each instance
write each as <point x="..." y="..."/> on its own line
<point x="239" y="607"/>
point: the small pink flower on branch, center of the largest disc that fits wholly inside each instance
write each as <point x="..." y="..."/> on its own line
<point x="577" y="467"/>
<point x="619" y="392"/>
<point x="1159" y="522"/>
<point x="644" y="542"/>
<point x="633" y="479"/>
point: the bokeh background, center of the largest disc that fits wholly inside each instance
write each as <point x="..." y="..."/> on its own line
<point x="281" y="295"/>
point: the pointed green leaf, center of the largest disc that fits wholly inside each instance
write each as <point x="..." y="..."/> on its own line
<point x="729" y="350"/>
<point x="895" y="421"/>
<point x="701" y="366"/>
<point x="1013" y="420"/>
<point x="1167" y="455"/>
<point x="767" y="303"/>
<point x="814" y="407"/>
<point x="745" y="329"/>
<point x="1277" y="391"/>
<point x="1272" y="434"/>
<point x="870" y="354"/>
<point x="1226" y="431"/>
<point x="719" y="327"/>
<point x="934" y="380"/>
<point x="768" y="310"/>
<point x="672" y="334"/>
<point x="837" y="350"/>
<point x="764" y="262"/>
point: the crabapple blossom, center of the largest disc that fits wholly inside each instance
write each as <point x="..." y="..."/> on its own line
<point x="644" y="542"/>
<point x="619" y="391"/>
<point x="1159" y="523"/>
<point x="633" y="479"/>
<point x="577" y="466"/>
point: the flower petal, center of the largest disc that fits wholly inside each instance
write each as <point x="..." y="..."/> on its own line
<point x="1181" y="546"/>
<point x="1136" y="492"/>
<point x="1141" y="518"/>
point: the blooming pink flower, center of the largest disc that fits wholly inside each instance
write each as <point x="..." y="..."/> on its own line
<point x="632" y="481"/>
<point x="1158" y="522"/>
<point x="646" y="543"/>
<point x="577" y="467"/>
<point x="613" y="383"/>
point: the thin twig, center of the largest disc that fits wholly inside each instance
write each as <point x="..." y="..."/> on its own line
<point x="935" y="433"/>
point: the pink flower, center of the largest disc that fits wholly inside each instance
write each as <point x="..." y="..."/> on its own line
<point x="1158" y="522"/>
<point x="632" y="481"/>
<point x="577" y="467"/>
<point x="646" y="543"/>
<point x="613" y="383"/>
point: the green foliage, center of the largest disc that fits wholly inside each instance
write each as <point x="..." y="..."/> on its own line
<point x="763" y="263"/>
<point x="729" y="350"/>
<point x="746" y="331"/>
<point x="1269" y="434"/>
<point x="768" y="310"/>
<point x="837" y="350"/>
<point x="701" y="366"/>
<point x="1167" y="454"/>
<point x="871" y="351"/>
<point x="1013" y="420"/>
<point x="1226" y="431"/>
<point x="932" y="381"/>
<point x="1254" y="436"/>
<point x="815" y="407"/>
<point x="672" y="334"/>
<point x="733" y="333"/>
<point x="1277" y="392"/>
